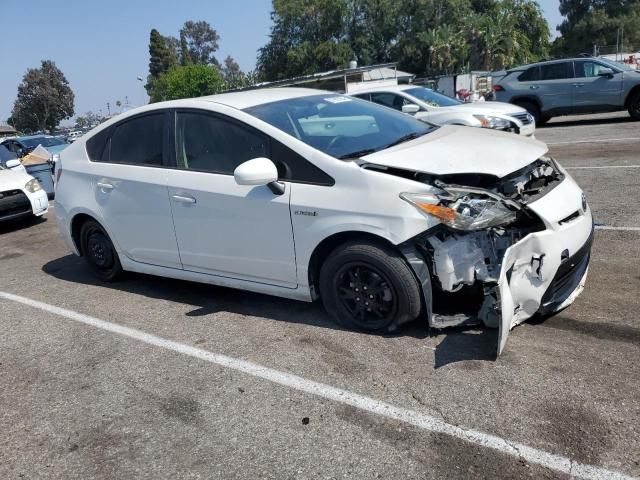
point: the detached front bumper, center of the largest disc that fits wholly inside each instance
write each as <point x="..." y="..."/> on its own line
<point x="543" y="273"/>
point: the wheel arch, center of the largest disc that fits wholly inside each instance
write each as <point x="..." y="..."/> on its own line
<point x="634" y="90"/>
<point x="77" y="222"/>
<point x="327" y="245"/>
<point x="526" y="98"/>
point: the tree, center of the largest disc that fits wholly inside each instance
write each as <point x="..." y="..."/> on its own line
<point x="162" y="57"/>
<point x="44" y="99"/>
<point x="200" y="41"/>
<point x="596" y="22"/>
<point x="423" y="36"/>
<point x="187" y="82"/>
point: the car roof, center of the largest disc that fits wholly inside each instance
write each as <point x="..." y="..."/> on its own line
<point x="249" y="98"/>
<point x="385" y="88"/>
<point x="31" y="137"/>
<point x="551" y="60"/>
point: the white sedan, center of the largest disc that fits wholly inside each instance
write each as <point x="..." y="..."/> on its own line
<point x="433" y="107"/>
<point x="307" y="194"/>
<point x="20" y="193"/>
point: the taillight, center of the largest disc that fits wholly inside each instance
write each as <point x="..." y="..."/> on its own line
<point x="498" y="88"/>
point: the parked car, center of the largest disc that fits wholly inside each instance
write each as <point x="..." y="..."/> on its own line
<point x="308" y="194"/>
<point x="35" y="159"/>
<point x="20" y="193"/>
<point x="571" y="86"/>
<point x="438" y="109"/>
<point x="23" y="145"/>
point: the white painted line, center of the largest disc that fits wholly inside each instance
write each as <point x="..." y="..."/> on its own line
<point x="602" y="167"/>
<point x="417" y="419"/>
<point x="621" y="229"/>
<point x="599" y="140"/>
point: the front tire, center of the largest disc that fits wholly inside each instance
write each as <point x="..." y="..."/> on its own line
<point x="99" y="252"/>
<point x="634" y="106"/>
<point x="534" y="110"/>
<point x="368" y="286"/>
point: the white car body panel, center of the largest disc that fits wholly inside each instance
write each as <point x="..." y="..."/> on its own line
<point x="264" y="243"/>
<point x="12" y="179"/>
<point x="462" y="114"/>
<point x="455" y="149"/>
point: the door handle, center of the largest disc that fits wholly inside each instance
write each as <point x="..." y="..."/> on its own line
<point x="578" y="84"/>
<point x="183" y="199"/>
<point x="105" y="186"/>
<point x="534" y="87"/>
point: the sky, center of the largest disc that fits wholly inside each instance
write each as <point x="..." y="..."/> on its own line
<point x="103" y="46"/>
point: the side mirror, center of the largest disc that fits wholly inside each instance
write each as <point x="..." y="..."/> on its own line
<point x="410" y="108"/>
<point x="13" y="163"/>
<point x="605" y="72"/>
<point x="259" y="171"/>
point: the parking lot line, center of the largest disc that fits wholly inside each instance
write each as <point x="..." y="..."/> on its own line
<point x="601" y="167"/>
<point x="597" y="140"/>
<point x="421" y="420"/>
<point x="621" y="229"/>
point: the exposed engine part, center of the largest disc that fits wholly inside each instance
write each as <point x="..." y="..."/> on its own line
<point x="531" y="182"/>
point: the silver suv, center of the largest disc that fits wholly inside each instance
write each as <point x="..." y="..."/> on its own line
<point x="571" y="86"/>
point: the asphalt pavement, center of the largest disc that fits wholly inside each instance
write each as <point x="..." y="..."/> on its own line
<point x="158" y="378"/>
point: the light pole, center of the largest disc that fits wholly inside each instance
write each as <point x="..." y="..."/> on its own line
<point x="144" y="95"/>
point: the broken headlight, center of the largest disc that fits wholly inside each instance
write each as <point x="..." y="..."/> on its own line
<point x="464" y="209"/>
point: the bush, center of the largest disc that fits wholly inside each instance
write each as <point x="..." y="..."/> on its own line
<point x="187" y="81"/>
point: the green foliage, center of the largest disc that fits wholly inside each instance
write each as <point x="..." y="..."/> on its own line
<point x="590" y="22"/>
<point x="161" y="55"/>
<point x="424" y="36"/>
<point x="187" y="82"/>
<point x="87" y="120"/>
<point x="44" y="99"/>
<point x="198" y="42"/>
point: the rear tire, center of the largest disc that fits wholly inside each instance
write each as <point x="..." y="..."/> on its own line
<point x="99" y="252"/>
<point x="534" y="110"/>
<point x="634" y="106"/>
<point x="368" y="286"/>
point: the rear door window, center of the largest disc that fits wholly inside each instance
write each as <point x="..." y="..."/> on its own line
<point x="556" y="71"/>
<point x="530" y="75"/>
<point x="138" y="141"/>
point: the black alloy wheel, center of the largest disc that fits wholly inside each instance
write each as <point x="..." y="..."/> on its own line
<point x="366" y="294"/>
<point x="367" y="285"/>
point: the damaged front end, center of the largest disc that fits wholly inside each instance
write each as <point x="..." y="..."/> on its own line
<point x="505" y="249"/>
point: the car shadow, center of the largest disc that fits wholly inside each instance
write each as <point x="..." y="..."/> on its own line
<point x="459" y="344"/>
<point x="10" y="226"/>
<point x="462" y="344"/>
<point x="587" y="121"/>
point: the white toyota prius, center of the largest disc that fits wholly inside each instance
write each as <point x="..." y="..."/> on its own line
<point x="307" y="194"/>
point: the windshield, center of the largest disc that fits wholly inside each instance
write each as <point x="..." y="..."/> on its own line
<point x="6" y="155"/>
<point x="432" y="98"/>
<point x="44" y="141"/>
<point x="618" y="65"/>
<point x="343" y="127"/>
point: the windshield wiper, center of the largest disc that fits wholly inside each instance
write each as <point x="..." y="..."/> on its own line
<point x="406" y="138"/>
<point x="359" y="153"/>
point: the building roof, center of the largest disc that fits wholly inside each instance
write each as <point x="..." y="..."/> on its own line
<point x="6" y="129"/>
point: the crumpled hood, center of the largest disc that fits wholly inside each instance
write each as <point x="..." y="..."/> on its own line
<point x="456" y="149"/>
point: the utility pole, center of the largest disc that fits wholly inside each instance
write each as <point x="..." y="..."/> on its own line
<point x="109" y="109"/>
